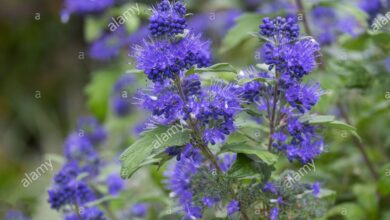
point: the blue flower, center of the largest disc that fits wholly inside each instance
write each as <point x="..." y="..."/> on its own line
<point x="179" y="180"/>
<point x="115" y="184"/>
<point x="269" y="187"/>
<point x="209" y="202"/>
<point x="90" y="128"/>
<point x="163" y="59"/>
<point x="293" y="59"/>
<point x="166" y="106"/>
<point x="108" y="46"/>
<point x="84" y="7"/>
<point x="216" y="109"/>
<point x="191" y="85"/>
<point x="139" y="210"/>
<point x="303" y="97"/>
<point x="372" y="7"/>
<point x="75" y="191"/>
<point x="168" y="19"/>
<point x="280" y="28"/>
<point x="79" y="148"/>
<point x="274" y="213"/>
<point x="233" y="207"/>
<point x="316" y="187"/>
<point x="68" y="172"/>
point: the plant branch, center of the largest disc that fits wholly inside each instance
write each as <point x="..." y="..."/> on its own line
<point x="273" y="112"/>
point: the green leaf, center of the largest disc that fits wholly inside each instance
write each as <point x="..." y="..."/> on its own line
<point x="137" y="155"/>
<point x="98" y="91"/>
<point x="367" y="197"/>
<point x="216" y="68"/>
<point x="264" y="155"/>
<point x="93" y="28"/>
<point x="341" y="125"/>
<point x="243" y="168"/>
<point x="317" y="119"/>
<point x="245" y="25"/>
<point x="348" y="211"/>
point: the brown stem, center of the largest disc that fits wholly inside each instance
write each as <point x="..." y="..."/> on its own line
<point x="359" y="145"/>
<point x="77" y="210"/>
<point x="198" y="136"/>
<point x="301" y="10"/>
<point x="272" y="122"/>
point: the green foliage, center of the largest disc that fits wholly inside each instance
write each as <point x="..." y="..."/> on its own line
<point x="138" y="154"/>
<point x="245" y="25"/>
<point x="98" y="91"/>
<point x="264" y="155"/>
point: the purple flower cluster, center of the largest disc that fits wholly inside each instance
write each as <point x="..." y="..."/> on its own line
<point x="179" y="180"/>
<point x="177" y="96"/>
<point x="330" y="24"/>
<point x="108" y="46"/>
<point x="163" y="59"/>
<point x="84" y="7"/>
<point x="303" y="143"/>
<point x="280" y="28"/>
<point x="121" y="95"/>
<point x="69" y="190"/>
<point x="168" y="19"/>
<point x="291" y="58"/>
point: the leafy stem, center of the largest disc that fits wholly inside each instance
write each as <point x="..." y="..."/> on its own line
<point x="199" y="142"/>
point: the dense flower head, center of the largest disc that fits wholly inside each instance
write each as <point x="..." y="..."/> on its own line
<point x="215" y="109"/>
<point x="168" y="19"/>
<point x="166" y="106"/>
<point x="163" y="59"/>
<point x="293" y="59"/>
<point x="74" y="191"/>
<point x="179" y="180"/>
<point x="192" y="85"/>
<point x="280" y="28"/>
<point x="67" y="173"/>
<point x="303" y="97"/>
<point x="121" y="95"/>
<point x="79" y="148"/>
<point x="304" y="143"/>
